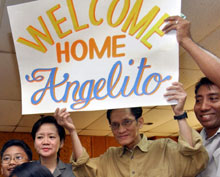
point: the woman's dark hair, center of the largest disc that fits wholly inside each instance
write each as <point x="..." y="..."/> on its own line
<point x="136" y="112"/>
<point x="203" y="81"/>
<point x="31" y="169"/>
<point x="48" y="120"/>
<point x="20" y="143"/>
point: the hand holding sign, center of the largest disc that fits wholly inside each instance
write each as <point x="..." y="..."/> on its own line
<point x="176" y="92"/>
<point x="181" y="25"/>
<point x="63" y="118"/>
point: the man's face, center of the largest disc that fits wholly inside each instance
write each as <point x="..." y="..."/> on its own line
<point x="13" y="156"/>
<point x="127" y="133"/>
<point x="207" y="106"/>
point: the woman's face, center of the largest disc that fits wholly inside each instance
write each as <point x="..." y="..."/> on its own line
<point x="47" y="141"/>
<point x="13" y="156"/>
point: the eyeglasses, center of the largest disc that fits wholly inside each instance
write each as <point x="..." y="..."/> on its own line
<point x="17" y="158"/>
<point x="125" y="123"/>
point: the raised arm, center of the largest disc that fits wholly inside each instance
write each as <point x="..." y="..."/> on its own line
<point x="208" y="63"/>
<point x="176" y="92"/>
<point x="63" y="118"/>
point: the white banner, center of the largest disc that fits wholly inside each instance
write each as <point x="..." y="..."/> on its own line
<point x="93" y="55"/>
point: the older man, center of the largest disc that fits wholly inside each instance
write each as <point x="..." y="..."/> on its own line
<point x="138" y="156"/>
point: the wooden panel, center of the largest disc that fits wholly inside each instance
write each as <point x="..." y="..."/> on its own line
<point x="66" y="151"/>
<point x="110" y="141"/>
<point x="98" y="145"/>
<point x="87" y="143"/>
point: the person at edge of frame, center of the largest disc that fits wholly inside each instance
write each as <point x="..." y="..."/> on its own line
<point x="207" y="92"/>
<point x="13" y="153"/>
<point x="31" y="169"/>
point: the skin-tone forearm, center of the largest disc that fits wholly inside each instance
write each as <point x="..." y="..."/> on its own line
<point x="176" y="92"/>
<point x="207" y="62"/>
<point x="77" y="147"/>
<point x="185" y="131"/>
<point x="63" y="118"/>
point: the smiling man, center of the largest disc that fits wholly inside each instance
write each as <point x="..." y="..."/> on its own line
<point x="207" y="106"/>
<point x="138" y="156"/>
<point x="207" y="110"/>
<point x="13" y="153"/>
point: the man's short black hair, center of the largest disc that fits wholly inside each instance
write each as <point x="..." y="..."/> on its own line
<point x="203" y="81"/>
<point x="20" y="143"/>
<point x="31" y="169"/>
<point x="136" y="112"/>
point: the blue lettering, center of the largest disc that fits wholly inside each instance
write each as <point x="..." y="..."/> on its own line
<point x="83" y="94"/>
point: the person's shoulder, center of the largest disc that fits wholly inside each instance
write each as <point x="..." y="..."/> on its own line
<point x="62" y="165"/>
<point x="113" y="151"/>
<point x="66" y="169"/>
<point x="161" y="142"/>
<point x="68" y="165"/>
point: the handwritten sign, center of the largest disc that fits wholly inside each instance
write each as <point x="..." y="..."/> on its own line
<point x="94" y="54"/>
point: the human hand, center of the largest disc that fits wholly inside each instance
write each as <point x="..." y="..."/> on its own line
<point x="63" y="118"/>
<point x="181" y="25"/>
<point x="176" y="92"/>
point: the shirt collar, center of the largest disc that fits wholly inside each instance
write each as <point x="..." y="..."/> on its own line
<point x="142" y="145"/>
<point x="60" y="166"/>
<point x="204" y="135"/>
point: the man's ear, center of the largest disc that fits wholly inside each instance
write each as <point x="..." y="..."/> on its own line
<point x="1" y="171"/>
<point x="141" y="122"/>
